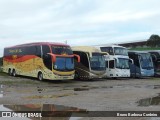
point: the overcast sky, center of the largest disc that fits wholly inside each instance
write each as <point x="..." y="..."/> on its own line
<point x="80" y="22"/>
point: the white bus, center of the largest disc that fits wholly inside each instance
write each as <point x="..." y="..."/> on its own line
<point x="117" y="61"/>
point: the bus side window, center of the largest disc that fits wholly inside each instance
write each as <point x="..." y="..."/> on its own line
<point x="45" y="49"/>
<point x="77" y="53"/>
<point x="38" y="51"/>
<point x="107" y="49"/>
<point x="46" y="58"/>
<point x="83" y="57"/>
<point x="111" y="64"/>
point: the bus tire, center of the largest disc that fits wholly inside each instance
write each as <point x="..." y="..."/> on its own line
<point x="76" y="76"/>
<point x="9" y="72"/>
<point x="14" y="73"/>
<point x="40" y="76"/>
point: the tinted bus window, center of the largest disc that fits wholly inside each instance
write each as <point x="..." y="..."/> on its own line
<point x="145" y="60"/>
<point x="84" y="58"/>
<point x="97" y="62"/>
<point x="62" y="50"/>
<point x="120" y="51"/>
<point x="111" y="64"/>
<point x="45" y="49"/>
<point x="27" y="50"/>
<point x="38" y="51"/>
<point x="47" y="58"/>
<point x="107" y="49"/>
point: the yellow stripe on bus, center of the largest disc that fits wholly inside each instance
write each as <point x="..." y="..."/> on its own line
<point x="63" y="73"/>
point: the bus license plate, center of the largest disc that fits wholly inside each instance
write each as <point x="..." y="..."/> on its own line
<point x="65" y="77"/>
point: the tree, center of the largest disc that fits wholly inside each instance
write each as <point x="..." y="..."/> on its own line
<point x="153" y="41"/>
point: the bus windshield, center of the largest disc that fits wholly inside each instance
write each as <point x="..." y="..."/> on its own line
<point x="122" y="63"/>
<point x="97" y="62"/>
<point x="120" y="51"/>
<point x="62" y="50"/>
<point x="64" y="64"/>
<point x="146" y="61"/>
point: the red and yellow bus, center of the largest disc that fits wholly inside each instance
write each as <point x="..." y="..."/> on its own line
<point x="43" y="60"/>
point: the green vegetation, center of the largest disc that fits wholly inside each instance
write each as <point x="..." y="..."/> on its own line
<point x="147" y="48"/>
<point x="155" y="78"/>
<point x="12" y="82"/>
<point x="3" y="74"/>
<point x="153" y="41"/>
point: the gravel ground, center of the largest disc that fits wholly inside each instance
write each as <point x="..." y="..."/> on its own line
<point x="95" y="95"/>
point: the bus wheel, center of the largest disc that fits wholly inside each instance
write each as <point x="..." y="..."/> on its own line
<point x="76" y="76"/>
<point x="14" y="72"/>
<point x="9" y="72"/>
<point x="115" y="78"/>
<point x="40" y="76"/>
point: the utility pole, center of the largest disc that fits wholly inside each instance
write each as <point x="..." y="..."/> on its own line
<point x="65" y="41"/>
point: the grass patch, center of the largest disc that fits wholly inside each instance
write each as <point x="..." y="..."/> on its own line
<point x="143" y="49"/>
<point x="155" y="78"/>
<point x="15" y="82"/>
<point x="3" y="74"/>
<point x="7" y="82"/>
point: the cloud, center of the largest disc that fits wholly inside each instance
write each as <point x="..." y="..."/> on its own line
<point x="81" y="22"/>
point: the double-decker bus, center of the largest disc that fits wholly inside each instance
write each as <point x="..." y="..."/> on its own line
<point x="92" y="64"/>
<point x="43" y="60"/>
<point x="117" y="61"/>
<point x="143" y="65"/>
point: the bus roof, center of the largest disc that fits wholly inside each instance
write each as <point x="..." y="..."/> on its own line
<point x="111" y="46"/>
<point x="89" y="49"/>
<point x="39" y="43"/>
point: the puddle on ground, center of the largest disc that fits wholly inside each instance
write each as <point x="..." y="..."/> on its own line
<point x="153" y="86"/>
<point x="48" y="96"/>
<point x="85" y="86"/>
<point x="1" y="86"/>
<point x="1" y="94"/>
<point x="107" y="87"/>
<point x="1" y="91"/>
<point x="149" y="101"/>
<point x="81" y="89"/>
<point x="40" y="111"/>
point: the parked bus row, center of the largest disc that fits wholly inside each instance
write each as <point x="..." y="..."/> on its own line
<point x="57" y="61"/>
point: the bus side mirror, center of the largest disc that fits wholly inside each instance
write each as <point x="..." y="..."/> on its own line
<point x="131" y="61"/>
<point x="104" y="53"/>
<point x="154" y="57"/>
<point x="77" y="56"/>
<point x="45" y="56"/>
<point x="53" y="57"/>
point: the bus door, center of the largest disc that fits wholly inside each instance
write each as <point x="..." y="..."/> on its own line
<point x="111" y="67"/>
<point x="135" y="67"/>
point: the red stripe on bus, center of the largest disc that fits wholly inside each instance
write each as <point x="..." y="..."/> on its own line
<point x="20" y="59"/>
